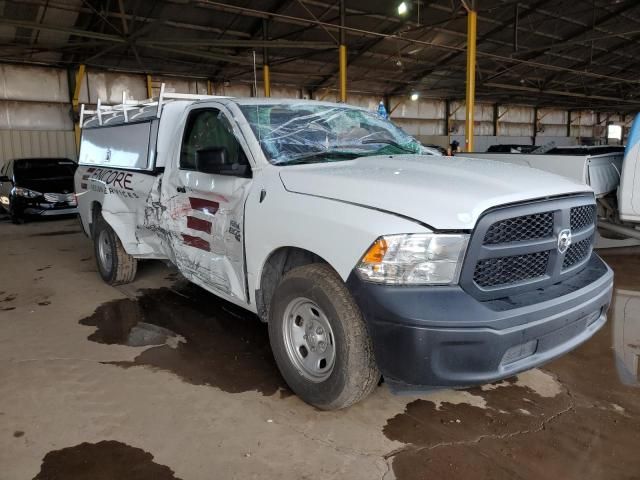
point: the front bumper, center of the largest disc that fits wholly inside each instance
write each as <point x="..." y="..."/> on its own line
<point x="51" y="212"/>
<point x="444" y="337"/>
<point x="40" y="207"/>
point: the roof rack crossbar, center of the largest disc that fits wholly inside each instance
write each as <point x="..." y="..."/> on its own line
<point x="124" y="110"/>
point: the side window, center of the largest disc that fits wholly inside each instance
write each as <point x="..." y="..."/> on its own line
<point x="208" y="128"/>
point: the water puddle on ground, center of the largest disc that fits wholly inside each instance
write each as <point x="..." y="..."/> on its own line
<point x="105" y="460"/>
<point x="55" y="233"/>
<point x="193" y="334"/>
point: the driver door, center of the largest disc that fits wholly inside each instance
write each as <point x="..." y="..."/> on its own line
<point x="205" y="211"/>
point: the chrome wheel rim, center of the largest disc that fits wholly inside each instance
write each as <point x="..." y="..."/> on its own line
<point x="105" y="252"/>
<point x="309" y="339"/>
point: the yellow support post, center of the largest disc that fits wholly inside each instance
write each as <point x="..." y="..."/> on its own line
<point x="343" y="73"/>
<point x="75" y="102"/>
<point x="266" y="78"/>
<point x="472" y="22"/>
<point x="266" y="73"/>
<point x="209" y="87"/>
<point x="149" y="87"/>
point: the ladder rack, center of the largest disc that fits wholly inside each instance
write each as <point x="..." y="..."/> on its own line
<point x="131" y="109"/>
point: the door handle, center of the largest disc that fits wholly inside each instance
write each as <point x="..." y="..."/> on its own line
<point x="181" y="190"/>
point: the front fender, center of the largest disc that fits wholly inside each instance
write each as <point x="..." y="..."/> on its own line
<point x="338" y="232"/>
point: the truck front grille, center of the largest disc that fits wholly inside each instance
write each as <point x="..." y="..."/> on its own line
<point x="517" y="248"/>
<point x="527" y="227"/>
<point x="577" y="253"/>
<point x="59" y="197"/>
<point x="507" y="270"/>
<point x="582" y="217"/>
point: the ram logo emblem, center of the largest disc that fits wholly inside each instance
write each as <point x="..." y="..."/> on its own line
<point x="564" y="240"/>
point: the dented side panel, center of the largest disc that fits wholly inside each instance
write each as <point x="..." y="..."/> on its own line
<point x="202" y="220"/>
<point x="121" y="196"/>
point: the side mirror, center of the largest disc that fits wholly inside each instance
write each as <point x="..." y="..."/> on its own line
<point x="4" y="178"/>
<point x="216" y="161"/>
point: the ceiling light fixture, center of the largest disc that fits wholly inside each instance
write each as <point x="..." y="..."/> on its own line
<point x="403" y="8"/>
<point x="414" y="96"/>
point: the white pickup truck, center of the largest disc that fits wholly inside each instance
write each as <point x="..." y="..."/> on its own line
<point x="366" y="256"/>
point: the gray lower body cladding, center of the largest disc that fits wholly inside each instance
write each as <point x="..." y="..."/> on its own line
<point x="444" y="337"/>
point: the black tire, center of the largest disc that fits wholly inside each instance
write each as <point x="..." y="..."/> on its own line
<point x="355" y="373"/>
<point x="122" y="267"/>
<point x="16" y="218"/>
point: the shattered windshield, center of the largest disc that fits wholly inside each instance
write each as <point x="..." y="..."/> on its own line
<point x="307" y="133"/>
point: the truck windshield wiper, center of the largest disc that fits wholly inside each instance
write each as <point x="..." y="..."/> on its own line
<point x="316" y="157"/>
<point x="388" y="142"/>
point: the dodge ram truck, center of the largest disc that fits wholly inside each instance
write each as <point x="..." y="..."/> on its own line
<point x="369" y="256"/>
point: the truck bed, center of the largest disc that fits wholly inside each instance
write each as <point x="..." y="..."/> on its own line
<point x="601" y="172"/>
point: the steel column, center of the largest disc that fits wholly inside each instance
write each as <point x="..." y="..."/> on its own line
<point x="266" y="74"/>
<point x="75" y="102"/>
<point x="149" y="87"/>
<point x="472" y="21"/>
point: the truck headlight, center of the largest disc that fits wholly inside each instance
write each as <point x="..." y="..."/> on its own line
<point x="414" y="259"/>
<point x="25" y="192"/>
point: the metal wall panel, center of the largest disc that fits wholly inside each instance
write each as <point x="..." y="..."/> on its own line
<point x="35" y="116"/>
<point x="180" y="85"/>
<point x="483" y="112"/>
<point x="515" y="129"/>
<point x="418" y="127"/>
<point x="36" y="143"/>
<point x="283" y="92"/>
<point x="552" y="116"/>
<point x="411" y="126"/>
<point x="367" y="102"/>
<point x="515" y="114"/>
<point x="233" y="90"/>
<point x="109" y="87"/>
<point x="551" y="130"/>
<point x="35" y="113"/>
<point x="33" y="84"/>
<point x="583" y="117"/>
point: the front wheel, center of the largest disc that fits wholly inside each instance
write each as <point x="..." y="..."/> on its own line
<point x="319" y="339"/>
<point x="115" y="265"/>
<point x="16" y="217"/>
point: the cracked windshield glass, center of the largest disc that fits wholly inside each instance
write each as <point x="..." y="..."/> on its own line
<point x="301" y="133"/>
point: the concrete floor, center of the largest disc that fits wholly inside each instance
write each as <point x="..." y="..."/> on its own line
<point x="159" y="380"/>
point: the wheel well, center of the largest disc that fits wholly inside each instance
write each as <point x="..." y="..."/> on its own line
<point x="96" y="209"/>
<point x="277" y="265"/>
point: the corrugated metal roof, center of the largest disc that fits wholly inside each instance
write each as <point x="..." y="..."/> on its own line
<point x="567" y="53"/>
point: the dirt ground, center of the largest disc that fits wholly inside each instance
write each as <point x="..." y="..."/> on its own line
<point x="161" y="380"/>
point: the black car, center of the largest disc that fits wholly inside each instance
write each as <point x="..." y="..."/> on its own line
<point x="37" y="186"/>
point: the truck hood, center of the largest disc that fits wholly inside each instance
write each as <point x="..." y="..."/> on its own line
<point x="445" y="193"/>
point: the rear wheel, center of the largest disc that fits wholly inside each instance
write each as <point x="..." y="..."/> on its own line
<point x="115" y="265"/>
<point x="319" y="339"/>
